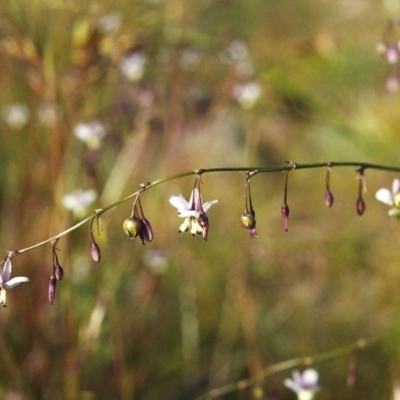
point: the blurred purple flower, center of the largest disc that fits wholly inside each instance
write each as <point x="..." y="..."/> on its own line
<point x="91" y="133"/>
<point x="304" y="384"/>
<point x="78" y="201"/>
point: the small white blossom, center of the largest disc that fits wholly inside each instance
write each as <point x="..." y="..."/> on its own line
<point x="16" y="115"/>
<point x="247" y="94"/>
<point x="194" y="212"/>
<point x="304" y="384"/>
<point x="91" y="133"/>
<point x="391" y="198"/>
<point x="132" y="66"/>
<point x="6" y="282"/>
<point x="79" y="200"/>
<point x="109" y="23"/>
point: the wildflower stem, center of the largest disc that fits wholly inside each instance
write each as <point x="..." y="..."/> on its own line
<point x="292" y="166"/>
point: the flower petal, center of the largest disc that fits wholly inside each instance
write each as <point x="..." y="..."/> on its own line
<point x="385" y="196"/>
<point x="15" y="281"/>
<point x="289" y="383"/>
<point x="5" y="275"/>
<point x="310" y="378"/>
<point x="179" y="203"/>
<point x="208" y="204"/>
<point x="396" y="186"/>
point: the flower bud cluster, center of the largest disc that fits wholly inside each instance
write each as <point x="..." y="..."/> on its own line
<point x="137" y="224"/>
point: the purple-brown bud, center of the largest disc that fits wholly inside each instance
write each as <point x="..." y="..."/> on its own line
<point x="329" y="198"/>
<point x="132" y="226"/>
<point x="203" y="222"/>
<point x="285" y="215"/>
<point x="95" y="252"/>
<point x="360" y="206"/>
<point x="147" y="231"/>
<point x="58" y="272"/>
<point x="351" y="375"/>
<point x="52" y="288"/>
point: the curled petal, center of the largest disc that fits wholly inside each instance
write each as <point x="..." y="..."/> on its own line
<point x="5" y="275"/>
<point x="147" y="231"/>
<point x="385" y="196"/>
<point x="15" y="281"/>
<point x="204" y="226"/>
<point x="396" y="186"/>
<point x="52" y="289"/>
<point x="208" y="204"/>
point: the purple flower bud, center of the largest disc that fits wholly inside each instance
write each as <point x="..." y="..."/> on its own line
<point x="351" y="375"/>
<point x="203" y="222"/>
<point x="52" y="288"/>
<point x="95" y="252"/>
<point x="147" y="231"/>
<point x="132" y="226"/>
<point x="360" y="206"/>
<point x="58" y="272"/>
<point x="285" y="215"/>
<point x="329" y="198"/>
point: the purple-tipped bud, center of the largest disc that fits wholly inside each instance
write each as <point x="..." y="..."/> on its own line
<point x="203" y="222"/>
<point x="360" y="206"/>
<point x="285" y="215"/>
<point x="351" y="375"/>
<point x="147" y="231"/>
<point x="329" y="198"/>
<point x="95" y="252"/>
<point x="132" y="226"/>
<point x="248" y="221"/>
<point x="58" y="272"/>
<point x="52" y="288"/>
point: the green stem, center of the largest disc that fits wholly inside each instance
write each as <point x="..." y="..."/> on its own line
<point x="296" y="362"/>
<point x="291" y="166"/>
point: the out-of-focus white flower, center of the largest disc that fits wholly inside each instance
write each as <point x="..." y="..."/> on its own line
<point x="304" y="384"/>
<point x="190" y="57"/>
<point x="47" y="113"/>
<point x="247" y="94"/>
<point x="238" y="50"/>
<point x="156" y="260"/>
<point x="7" y="283"/>
<point x="391" y="198"/>
<point x="109" y="23"/>
<point x="132" y="66"/>
<point x="78" y="201"/>
<point x="16" y="115"/>
<point x="91" y="133"/>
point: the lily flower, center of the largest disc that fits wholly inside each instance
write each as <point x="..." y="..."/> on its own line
<point x="6" y="282"/>
<point x="194" y="212"/>
<point x="304" y="384"/>
<point x="391" y="198"/>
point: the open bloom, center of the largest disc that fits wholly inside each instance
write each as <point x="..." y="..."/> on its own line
<point x="6" y="282"/>
<point x="391" y="198"/>
<point x="194" y="212"/>
<point x="304" y="384"/>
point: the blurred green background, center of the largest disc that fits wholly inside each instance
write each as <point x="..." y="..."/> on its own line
<point x="172" y="86"/>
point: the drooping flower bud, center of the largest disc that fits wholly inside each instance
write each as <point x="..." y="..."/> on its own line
<point x="95" y="252"/>
<point x="52" y="288"/>
<point x="285" y="215"/>
<point x="248" y="221"/>
<point x="58" y="272"/>
<point x="204" y="224"/>
<point x="351" y="375"/>
<point x="329" y="198"/>
<point x="360" y="206"/>
<point x="132" y="226"/>
<point x="147" y="231"/>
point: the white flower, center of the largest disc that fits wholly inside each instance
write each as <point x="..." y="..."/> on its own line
<point x="132" y="66"/>
<point x="79" y="200"/>
<point x="305" y="384"/>
<point x="6" y="282"/>
<point x="391" y="198"/>
<point x="247" y="94"/>
<point x="16" y="115"/>
<point x="91" y="133"/>
<point x="194" y="212"/>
